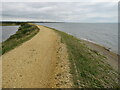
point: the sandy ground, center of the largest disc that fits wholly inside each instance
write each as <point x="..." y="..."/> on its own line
<point x="63" y="78"/>
<point x="38" y="63"/>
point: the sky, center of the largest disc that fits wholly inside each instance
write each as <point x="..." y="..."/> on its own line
<point x="77" y="11"/>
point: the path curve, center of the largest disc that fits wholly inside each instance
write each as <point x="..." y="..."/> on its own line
<point x="32" y="64"/>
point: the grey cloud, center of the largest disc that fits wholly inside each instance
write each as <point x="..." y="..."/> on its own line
<point x="69" y="12"/>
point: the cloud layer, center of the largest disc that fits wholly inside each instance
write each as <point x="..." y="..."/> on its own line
<point x="61" y="11"/>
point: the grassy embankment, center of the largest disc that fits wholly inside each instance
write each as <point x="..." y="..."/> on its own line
<point x="88" y="67"/>
<point x="24" y="33"/>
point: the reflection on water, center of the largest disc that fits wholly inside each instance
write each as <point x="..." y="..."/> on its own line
<point x="7" y="31"/>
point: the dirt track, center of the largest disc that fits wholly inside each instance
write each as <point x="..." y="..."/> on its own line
<point x="37" y="63"/>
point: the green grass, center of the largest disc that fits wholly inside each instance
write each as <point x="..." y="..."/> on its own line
<point x="24" y="33"/>
<point x="88" y="68"/>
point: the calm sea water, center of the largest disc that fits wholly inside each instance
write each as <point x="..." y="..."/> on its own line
<point x="7" y="31"/>
<point x="105" y="34"/>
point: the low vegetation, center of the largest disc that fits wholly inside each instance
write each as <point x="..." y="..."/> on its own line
<point x="88" y="67"/>
<point x="24" y="33"/>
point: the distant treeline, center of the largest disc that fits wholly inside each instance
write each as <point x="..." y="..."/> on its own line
<point x="10" y="23"/>
<point x="6" y="23"/>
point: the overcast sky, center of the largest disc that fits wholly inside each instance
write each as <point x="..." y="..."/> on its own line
<point x="61" y="11"/>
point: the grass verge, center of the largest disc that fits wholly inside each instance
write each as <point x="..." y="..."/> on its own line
<point x="25" y="32"/>
<point x="88" y="67"/>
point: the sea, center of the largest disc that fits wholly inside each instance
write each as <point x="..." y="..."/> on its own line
<point x="104" y="34"/>
<point x="7" y="31"/>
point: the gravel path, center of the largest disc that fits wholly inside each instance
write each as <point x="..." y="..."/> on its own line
<point x="34" y="64"/>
